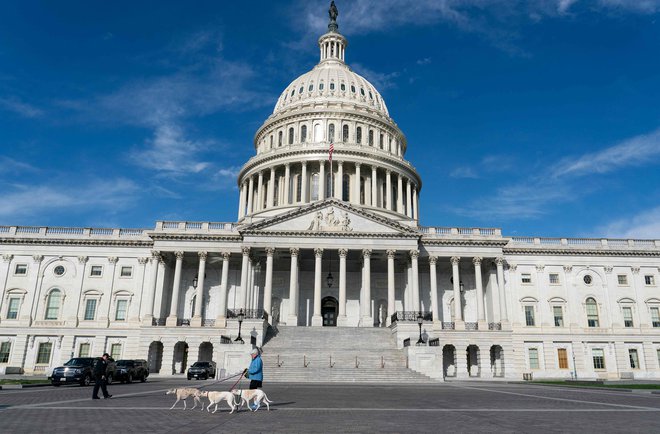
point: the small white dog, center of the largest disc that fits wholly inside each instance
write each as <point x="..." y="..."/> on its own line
<point x="185" y="393"/>
<point x="216" y="397"/>
<point x="247" y="395"/>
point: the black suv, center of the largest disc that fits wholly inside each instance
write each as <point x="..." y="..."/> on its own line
<point x="202" y="370"/>
<point x="129" y="370"/>
<point x="80" y="370"/>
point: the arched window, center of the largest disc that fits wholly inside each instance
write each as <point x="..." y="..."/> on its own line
<point x="271" y="141"/>
<point x="352" y="88"/>
<point x="311" y="87"/>
<point x="279" y="138"/>
<point x="344" y="133"/>
<point x="315" y="186"/>
<point x="380" y="141"/>
<point x="303" y="134"/>
<point x="358" y="135"/>
<point x="346" y="188"/>
<point x="298" y="188"/>
<point x="53" y="304"/>
<point x="321" y="86"/>
<point x="331" y="133"/>
<point x="318" y="133"/>
<point x="592" y="312"/>
<point x="371" y="137"/>
<point x="332" y="85"/>
<point x="291" y="136"/>
<point x="342" y="87"/>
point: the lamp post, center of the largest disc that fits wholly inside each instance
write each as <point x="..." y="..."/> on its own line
<point x="240" y="317"/>
<point x="420" y="320"/>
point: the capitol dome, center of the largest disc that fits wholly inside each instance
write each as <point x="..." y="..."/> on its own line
<point x="329" y="107"/>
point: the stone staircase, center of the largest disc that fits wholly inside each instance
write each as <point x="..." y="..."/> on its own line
<point x="358" y="355"/>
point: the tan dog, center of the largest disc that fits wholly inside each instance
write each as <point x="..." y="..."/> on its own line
<point x="217" y="397"/>
<point x="185" y="393"/>
<point x="247" y="395"/>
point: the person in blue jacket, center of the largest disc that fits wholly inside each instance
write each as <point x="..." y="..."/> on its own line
<point x="255" y="370"/>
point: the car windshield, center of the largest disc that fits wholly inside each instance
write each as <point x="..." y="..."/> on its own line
<point x="78" y="362"/>
<point x="200" y="364"/>
<point x="125" y="363"/>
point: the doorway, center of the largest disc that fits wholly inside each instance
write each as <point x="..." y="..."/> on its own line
<point x="329" y="308"/>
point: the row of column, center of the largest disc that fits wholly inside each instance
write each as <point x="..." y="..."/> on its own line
<point x="249" y="191"/>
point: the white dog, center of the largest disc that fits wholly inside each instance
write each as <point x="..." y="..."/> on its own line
<point x="257" y="395"/>
<point x="217" y="397"/>
<point x="185" y="393"/>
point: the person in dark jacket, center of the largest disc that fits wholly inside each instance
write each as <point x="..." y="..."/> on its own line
<point x="100" y="368"/>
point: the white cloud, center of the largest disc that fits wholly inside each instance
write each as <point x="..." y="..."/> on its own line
<point x="380" y="80"/>
<point x="9" y="165"/>
<point x="645" y="225"/>
<point x="30" y="200"/>
<point x="636" y="151"/>
<point x="464" y="172"/>
<point x="17" y="106"/>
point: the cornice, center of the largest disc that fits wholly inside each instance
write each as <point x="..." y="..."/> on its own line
<point x="77" y="242"/>
<point x="305" y="234"/>
<point x="188" y="236"/>
<point x="574" y="252"/>
<point x="466" y="242"/>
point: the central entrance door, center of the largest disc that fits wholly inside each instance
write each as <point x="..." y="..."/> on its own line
<point x="329" y="308"/>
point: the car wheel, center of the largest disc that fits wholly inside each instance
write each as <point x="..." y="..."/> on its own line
<point x="130" y="378"/>
<point x="108" y="379"/>
<point x="86" y="381"/>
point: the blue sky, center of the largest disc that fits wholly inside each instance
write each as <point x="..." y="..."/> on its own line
<point x="540" y="116"/>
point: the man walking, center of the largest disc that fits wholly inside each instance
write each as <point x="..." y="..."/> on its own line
<point x="100" y="372"/>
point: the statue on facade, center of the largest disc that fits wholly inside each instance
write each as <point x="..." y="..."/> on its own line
<point x="316" y="222"/>
<point x="333" y="12"/>
<point x="346" y="223"/>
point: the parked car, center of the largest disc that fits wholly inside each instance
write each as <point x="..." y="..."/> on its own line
<point x="129" y="370"/>
<point x="80" y="370"/>
<point x="201" y="370"/>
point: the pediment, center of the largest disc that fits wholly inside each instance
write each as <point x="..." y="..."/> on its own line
<point x="330" y="217"/>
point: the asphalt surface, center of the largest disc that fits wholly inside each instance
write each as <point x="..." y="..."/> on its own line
<point x="455" y="407"/>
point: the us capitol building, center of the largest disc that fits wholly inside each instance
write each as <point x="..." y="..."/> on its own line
<point x="327" y="259"/>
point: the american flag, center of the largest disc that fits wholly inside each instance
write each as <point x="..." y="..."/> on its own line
<point x="332" y="148"/>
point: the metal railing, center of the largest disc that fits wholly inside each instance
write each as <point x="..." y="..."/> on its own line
<point x="248" y="313"/>
<point x="435" y="342"/>
<point x="183" y="322"/>
<point x="158" y="322"/>
<point x="208" y="323"/>
<point x="471" y="326"/>
<point x="406" y="342"/>
<point x="410" y="316"/>
<point x="225" y="340"/>
<point x="448" y="325"/>
<point x="494" y="326"/>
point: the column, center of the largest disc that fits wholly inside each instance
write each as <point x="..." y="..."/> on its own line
<point x="199" y="295"/>
<point x="374" y="186"/>
<point x="303" y="193"/>
<point x="268" y="289"/>
<point x="414" y="255"/>
<point x="388" y="188"/>
<point x="250" y="196"/>
<point x="174" y="305"/>
<point x="399" y="197"/>
<point x="287" y="190"/>
<point x="458" y="305"/>
<point x="292" y="320"/>
<point x="339" y="182"/>
<point x="317" y="319"/>
<point x="151" y="295"/>
<point x="365" y="301"/>
<point x="500" y="286"/>
<point x="356" y="199"/>
<point x="244" y="277"/>
<point x="241" y="202"/>
<point x="415" y="204"/>
<point x="341" y="317"/>
<point x="250" y="286"/>
<point x="481" y="313"/>
<point x="408" y="199"/>
<point x="260" y="192"/>
<point x="222" y="302"/>
<point x="437" y="324"/>
<point x="271" y="188"/>
<point x="390" y="285"/>
<point x="322" y="180"/>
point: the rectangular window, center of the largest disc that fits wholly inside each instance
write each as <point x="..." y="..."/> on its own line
<point x="533" y="358"/>
<point x="96" y="271"/>
<point x="558" y="313"/>
<point x="126" y="272"/>
<point x="5" y="348"/>
<point x="563" y="358"/>
<point x="90" y="309"/>
<point x="115" y="351"/>
<point x="529" y="315"/>
<point x="526" y="278"/>
<point x="655" y="316"/>
<point x="83" y="350"/>
<point x="43" y="353"/>
<point x="599" y="358"/>
<point x="622" y="279"/>
<point x="649" y="280"/>
<point x="12" y="309"/>
<point x="120" y="313"/>
<point x="554" y="278"/>
<point x="627" y="317"/>
<point x="20" y="270"/>
<point x="634" y="358"/>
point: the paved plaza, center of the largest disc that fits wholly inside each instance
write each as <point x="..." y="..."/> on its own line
<point x="450" y="407"/>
